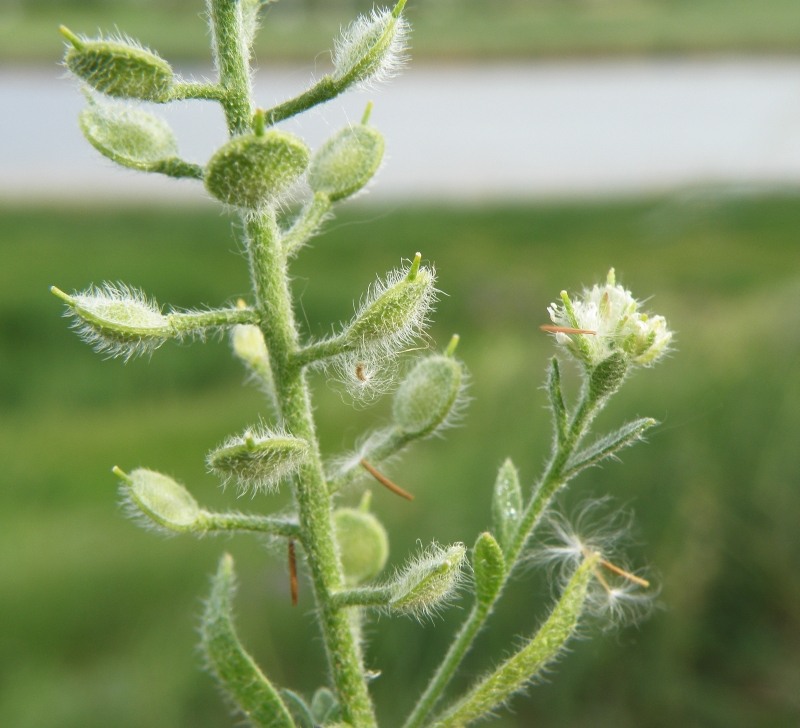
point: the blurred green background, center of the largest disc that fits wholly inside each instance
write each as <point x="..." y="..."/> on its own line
<point x="99" y="619"/>
<point x="443" y="29"/>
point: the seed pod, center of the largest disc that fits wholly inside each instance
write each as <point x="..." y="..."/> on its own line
<point x="428" y="581"/>
<point x="363" y="544"/>
<point x="117" y="320"/>
<point x="371" y="49"/>
<point x="129" y="136"/>
<point x="429" y="395"/>
<point x="119" y="68"/>
<point x="395" y="312"/>
<point x="254" y="170"/>
<point x="346" y="162"/>
<point x="161" y="499"/>
<point x="259" y="459"/>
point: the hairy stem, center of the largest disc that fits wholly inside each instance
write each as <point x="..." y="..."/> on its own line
<point x="232" y="56"/>
<point x="551" y="481"/>
<point x="270" y="281"/>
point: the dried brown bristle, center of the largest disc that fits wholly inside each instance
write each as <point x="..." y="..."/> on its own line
<point x="384" y="481"/>
<point x="293" y="573"/>
<point x="550" y="329"/>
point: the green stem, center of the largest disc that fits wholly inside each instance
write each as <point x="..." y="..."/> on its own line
<point x="227" y="522"/>
<point x="549" y="484"/>
<point x="232" y="55"/>
<point x="270" y="281"/>
<point x="367" y="596"/>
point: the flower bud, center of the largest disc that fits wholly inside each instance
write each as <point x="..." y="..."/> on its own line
<point x="611" y="316"/>
<point x="372" y="48"/>
<point x="346" y="162"/>
<point x="395" y="312"/>
<point x="258" y="459"/>
<point x="119" y="68"/>
<point x="428" y="397"/>
<point x="117" y="320"/>
<point x="128" y="136"/>
<point x="428" y="581"/>
<point x="254" y="170"/>
<point x="161" y="499"/>
<point x="363" y="544"/>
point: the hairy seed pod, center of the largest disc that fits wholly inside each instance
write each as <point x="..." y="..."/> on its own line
<point x="258" y="460"/>
<point x="428" y="396"/>
<point x="129" y="136"/>
<point x="253" y="170"/>
<point x="346" y="162"/>
<point x="428" y="581"/>
<point x="119" y="68"/>
<point x="363" y="544"/>
<point x="161" y="499"/>
<point x="395" y="312"/>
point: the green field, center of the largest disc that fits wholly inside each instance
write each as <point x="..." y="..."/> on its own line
<point x="99" y="618"/>
<point x="443" y="29"/>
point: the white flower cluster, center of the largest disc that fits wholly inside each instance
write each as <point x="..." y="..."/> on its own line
<point x="610" y="321"/>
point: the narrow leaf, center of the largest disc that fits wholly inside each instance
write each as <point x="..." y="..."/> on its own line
<point x="506" y="505"/>
<point x="608" y="446"/>
<point x="557" y="400"/>
<point x="521" y="668"/>
<point x="236" y="671"/>
<point x="489" y="567"/>
<point x="299" y="709"/>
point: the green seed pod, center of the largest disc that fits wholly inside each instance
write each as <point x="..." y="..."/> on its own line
<point x="119" y="68"/>
<point x="161" y="499"/>
<point x="258" y="459"/>
<point x="395" y="311"/>
<point x="254" y="170"/>
<point x="429" y="395"/>
<point x="428" y="581"/>
<point x="117" y="320"/>
<point x="128" y="136"/>
<point x="489" y="567"/>
<point x="346" y="162"/>
<point x="371" y="49"/>
<point x="363" y="544"/>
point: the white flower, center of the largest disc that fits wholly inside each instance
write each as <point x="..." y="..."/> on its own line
<point x="610" y="317"/>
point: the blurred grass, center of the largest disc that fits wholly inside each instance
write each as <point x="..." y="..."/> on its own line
<point x="99" y="618"/>
<point x="444" y="29"/>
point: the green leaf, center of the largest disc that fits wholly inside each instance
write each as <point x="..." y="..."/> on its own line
<point x="324" y="706"/>
<point x="557" y="405"/>
<point x="506" y="505"/>
<point x="298" y="708"/>
<point x="521" y="668"/>
<point x="608" y="446"/>
<point x="234" y="668"/>
<point x="489" y="567"/>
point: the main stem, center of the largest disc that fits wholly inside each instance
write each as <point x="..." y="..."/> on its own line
<point x="270" y="280"/>
<point x="550" y="483"/>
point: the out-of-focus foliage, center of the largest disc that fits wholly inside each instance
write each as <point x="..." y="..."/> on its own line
<point x="716" y="491"/>
<point x="443" y="29"/>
